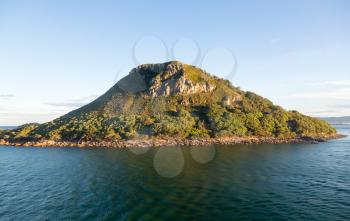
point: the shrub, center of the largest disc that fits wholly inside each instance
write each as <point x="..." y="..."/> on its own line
<point x="180" y="125"/>
<point x="224" y="123"/>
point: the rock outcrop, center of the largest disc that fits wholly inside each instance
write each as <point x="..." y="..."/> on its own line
<point x="165" y="79"/>
<point x="231" y="100"/>
<point x="178" y="86"/>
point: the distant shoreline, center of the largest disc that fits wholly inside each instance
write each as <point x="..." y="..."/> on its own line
<point x="8" y="127"/>
<point x="168" y="142"/>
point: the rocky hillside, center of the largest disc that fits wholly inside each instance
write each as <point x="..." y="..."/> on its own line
<point x="173" y="100"/>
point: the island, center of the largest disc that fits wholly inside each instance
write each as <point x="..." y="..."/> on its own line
<point x="172" y="104"/>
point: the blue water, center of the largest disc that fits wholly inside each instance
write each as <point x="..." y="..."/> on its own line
<point x="256" y="182"/>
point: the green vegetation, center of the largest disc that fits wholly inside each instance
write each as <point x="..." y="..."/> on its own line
<point x="118" y="115"/>
<point x="196" y="75"/>
<point x="180" y="124"/>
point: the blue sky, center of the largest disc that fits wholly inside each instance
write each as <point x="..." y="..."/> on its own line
<point x="58" y="55"/>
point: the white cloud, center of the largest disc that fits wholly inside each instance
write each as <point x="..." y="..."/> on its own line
<point x="73" y="103"/>
<point x="338" y="93"/>
<point x="6" y="96"/>
<point x="346" y="106"/>
<point x="14" y="118"/>
<point x="331" y="83"/>
<point x="28" y="111"/>
<point x="329" y="113"/>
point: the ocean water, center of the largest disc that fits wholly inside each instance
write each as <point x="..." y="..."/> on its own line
<point x="254" y="182"/>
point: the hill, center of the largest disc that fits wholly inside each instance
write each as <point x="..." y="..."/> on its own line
<point x="173" y="101"/>
<point x="7" y="127"/>
<point x="337" y="120"/>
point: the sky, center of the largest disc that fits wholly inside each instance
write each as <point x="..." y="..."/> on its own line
<point x="56" y="56"/>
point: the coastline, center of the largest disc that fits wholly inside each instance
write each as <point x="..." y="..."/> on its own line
<point x="168" y="142"/>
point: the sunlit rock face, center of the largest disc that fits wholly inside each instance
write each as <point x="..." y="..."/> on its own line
<point x="231" y="100"/>
<point x="178" y="86"/>
<point x="167" y="79"/>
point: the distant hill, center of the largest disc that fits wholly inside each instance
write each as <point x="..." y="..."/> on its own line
<point x="174" y="100"/>
<point x="7" y="127"/>
<point x="337" y="120"/>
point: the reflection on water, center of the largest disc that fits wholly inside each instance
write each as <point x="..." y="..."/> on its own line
<point x="203" y="154"/>
<point x="169" y="161"/>
<point x="295" y="182"/>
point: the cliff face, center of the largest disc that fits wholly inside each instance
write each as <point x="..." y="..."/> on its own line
<point x="181" y="85"/>
<point x="174" y="100"/>
<point x="164" y="79"/>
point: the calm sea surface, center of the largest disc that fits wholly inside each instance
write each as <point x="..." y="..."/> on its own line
<point x="256" y="182"/>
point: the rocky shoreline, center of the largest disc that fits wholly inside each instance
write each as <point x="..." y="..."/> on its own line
<point x="162" y="142"/>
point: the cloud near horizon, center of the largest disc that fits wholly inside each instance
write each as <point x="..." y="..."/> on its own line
<point x="345" y="106"/>
<point x="19" y="118"/>
<point x="331" y="83"/>
<point x="6" y="96"/>
<point x="337" y="93"/>
<point x="73" y="103"/>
